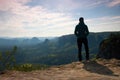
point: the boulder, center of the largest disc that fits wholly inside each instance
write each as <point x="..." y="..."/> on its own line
<point x="110" y="48"/>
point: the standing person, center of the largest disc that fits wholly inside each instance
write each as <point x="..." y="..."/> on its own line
<point x="81" y="32"/>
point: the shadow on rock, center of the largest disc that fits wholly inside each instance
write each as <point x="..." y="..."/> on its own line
<point x="95" y="67"/>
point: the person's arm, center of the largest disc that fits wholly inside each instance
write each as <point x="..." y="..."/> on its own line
<point x="76" y="32"/>
<point x="87" y="31"/>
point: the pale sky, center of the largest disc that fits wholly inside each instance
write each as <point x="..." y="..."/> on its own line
<point x="45" y="18"/>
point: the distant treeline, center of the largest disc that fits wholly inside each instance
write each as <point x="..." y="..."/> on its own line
<point x="56" y="51"/>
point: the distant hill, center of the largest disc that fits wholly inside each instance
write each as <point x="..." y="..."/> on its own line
<point x="55" y="51"/>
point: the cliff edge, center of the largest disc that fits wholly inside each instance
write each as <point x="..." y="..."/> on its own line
<point x="110" y="47"/>
<point x="100" y="69"/>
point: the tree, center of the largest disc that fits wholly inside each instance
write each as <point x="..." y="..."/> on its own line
<point x="7" y="60"/>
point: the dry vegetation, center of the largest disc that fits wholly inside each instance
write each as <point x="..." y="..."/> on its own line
<point x="93" y="70"/>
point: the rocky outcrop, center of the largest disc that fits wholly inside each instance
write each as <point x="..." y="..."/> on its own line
<point x="93" y="70"/>
<point x="110" y="48"/>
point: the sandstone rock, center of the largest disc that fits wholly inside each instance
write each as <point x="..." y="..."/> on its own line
<point x="110" y="48"/>
<point x="92" y="70"/>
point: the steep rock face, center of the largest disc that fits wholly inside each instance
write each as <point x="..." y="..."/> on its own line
<point x="110" y="48"/>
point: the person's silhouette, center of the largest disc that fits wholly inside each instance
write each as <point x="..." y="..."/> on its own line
<point x="81" y="32"/>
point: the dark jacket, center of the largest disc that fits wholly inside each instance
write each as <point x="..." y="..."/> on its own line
<point x="81" y="30"/>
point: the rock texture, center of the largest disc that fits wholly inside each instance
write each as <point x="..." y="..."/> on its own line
<point x="110" y="48"/>
<point x="93" y="70"/>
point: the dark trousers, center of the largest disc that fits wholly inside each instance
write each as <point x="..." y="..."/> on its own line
<point x="85" y="42"/>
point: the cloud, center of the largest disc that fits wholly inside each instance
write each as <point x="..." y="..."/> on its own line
<point x="106" y="23"/>
<point x="114" y="3"/>
<point x="25" y="20"/>
<point x="20" y="18"/>
<point x="68" y="5"/>
<point x="6" y="5"/>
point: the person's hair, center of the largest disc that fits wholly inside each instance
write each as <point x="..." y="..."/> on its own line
<point x="81" y="19"/>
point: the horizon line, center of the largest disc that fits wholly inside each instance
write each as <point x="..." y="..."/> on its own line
<point x="50" y="36"/>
